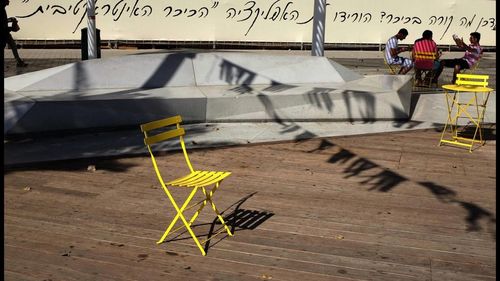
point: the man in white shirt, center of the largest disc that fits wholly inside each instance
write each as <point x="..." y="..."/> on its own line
<point x="392" y="52"/>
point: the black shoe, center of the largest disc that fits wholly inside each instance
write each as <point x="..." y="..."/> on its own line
<point x="21" y="64"/>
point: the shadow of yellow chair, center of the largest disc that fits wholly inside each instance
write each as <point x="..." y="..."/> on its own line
<point x="195" y="181"/>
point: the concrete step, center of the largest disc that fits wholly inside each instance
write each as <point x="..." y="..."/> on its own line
<point x="206" y="87"/>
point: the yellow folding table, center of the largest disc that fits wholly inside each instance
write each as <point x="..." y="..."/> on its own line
<point x="467" y="98"/>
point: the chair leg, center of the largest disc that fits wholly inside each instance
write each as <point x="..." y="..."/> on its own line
<point x="183" y="219"/>
<point x="431" y="78"/>
<point x="202" y="206"/>
<point x="179" y="213"/>
<point x="209" y="198"/>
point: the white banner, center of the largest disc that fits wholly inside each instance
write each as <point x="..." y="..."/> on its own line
<point x="347" y="21"/>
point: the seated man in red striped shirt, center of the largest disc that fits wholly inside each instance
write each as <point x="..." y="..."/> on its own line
<point x="425" y="44"/>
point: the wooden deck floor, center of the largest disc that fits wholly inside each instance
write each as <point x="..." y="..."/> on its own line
<point x="389" y="206"/>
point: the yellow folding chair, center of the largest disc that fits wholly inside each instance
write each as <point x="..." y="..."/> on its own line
<point x="392" y="68"/>
<point x="473" y="69"/>
<point x="420" y="59"/>
<point x="168" y="128"/>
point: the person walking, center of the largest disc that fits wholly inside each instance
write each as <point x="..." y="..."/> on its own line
<point x="7" y="38"/>
<point x="5" y="24"/>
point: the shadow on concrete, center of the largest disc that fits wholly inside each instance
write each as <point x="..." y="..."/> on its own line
<point x="234" y="74"/>
<point x="109" y="164"/>
<point x="229" y="72"/>
<point x="166" y="70"/>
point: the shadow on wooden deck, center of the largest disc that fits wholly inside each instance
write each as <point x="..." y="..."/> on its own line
<point x="237" y="219"/>
<point x="390" y="206"/>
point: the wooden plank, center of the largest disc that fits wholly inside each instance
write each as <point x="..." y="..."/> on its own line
<point x="390" y="206"/>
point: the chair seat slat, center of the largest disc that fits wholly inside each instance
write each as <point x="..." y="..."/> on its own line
<point x="216" y="178"/>
<point x="204" y="178"/>
<point x="192" y="176"/>
<point x="193" y="182"/>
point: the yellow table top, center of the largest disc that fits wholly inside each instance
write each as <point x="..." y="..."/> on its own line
<point x="466" y="88"/>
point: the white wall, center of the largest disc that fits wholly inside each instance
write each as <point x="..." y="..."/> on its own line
<point x="347" y="21"/>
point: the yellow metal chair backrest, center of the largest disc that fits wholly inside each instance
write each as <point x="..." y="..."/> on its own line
<point x="419" y="55"/>
<point x="473" y="68"/>
<point x="472" y="80"/>
<point x="161" y="130"/>
<point x="423" y="61"/>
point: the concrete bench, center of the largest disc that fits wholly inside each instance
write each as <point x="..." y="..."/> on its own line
<point x="202" y="87"/>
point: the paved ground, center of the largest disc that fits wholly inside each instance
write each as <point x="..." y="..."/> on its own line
<point x="381" y="207"/>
